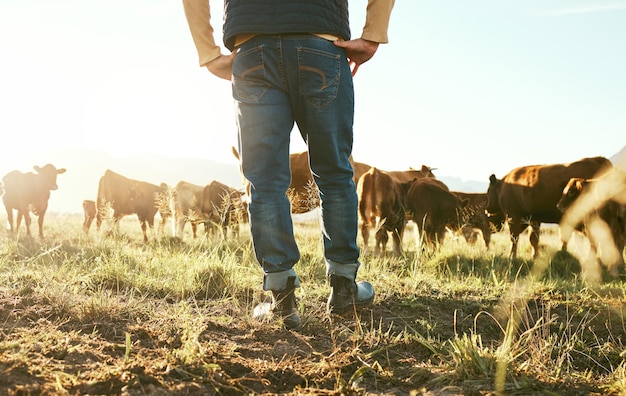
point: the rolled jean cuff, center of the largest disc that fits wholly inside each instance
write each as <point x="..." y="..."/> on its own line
<point x="343" y="270"/>
<point x="277" y="281"/>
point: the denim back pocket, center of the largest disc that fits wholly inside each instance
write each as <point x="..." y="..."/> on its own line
<point x="319" y="73"/>
<point x="249" y="83"/>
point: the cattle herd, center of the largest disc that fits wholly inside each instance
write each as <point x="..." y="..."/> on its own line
<point x="588" y="195"/>
<point x="215" y="205"/>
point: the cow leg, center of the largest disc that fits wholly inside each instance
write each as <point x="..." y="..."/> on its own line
<point x="86" y="223"/>
<point x="18" y="220"/>
<point x="27" y="221"/>
<point x="150" y="222"/>
<point x="430" y="236"/>
<point x="365" y="233"/>
<point x="144" y="230"/>
<point x="194" y="229"/>
<point x="116" y="222"/>
<point x="381" y="241"/>
<point x="180" y="227"/>
<point x="515" y="228"/>
<point x="10" y="219"/>
<point x="441" y="234"/>
<point x="514" y="239"/>
<point x="485" y="228"/>
<point x="40" y="223"/>
<point x="397" y="240"/>
<point x="534" y="238"/>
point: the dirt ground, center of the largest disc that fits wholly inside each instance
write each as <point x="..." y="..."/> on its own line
<point x="388" y="350"/>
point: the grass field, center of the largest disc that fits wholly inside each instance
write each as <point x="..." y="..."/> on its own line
<point x="104" y="314"/>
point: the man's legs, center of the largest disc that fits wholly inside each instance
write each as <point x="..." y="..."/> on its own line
<point x="324" y="111"/>
<point x="265" y="122"/>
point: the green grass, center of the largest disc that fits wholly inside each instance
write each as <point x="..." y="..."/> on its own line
<point x="103" y="314"/>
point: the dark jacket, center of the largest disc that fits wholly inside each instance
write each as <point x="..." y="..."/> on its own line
<point x="285" y="17"/>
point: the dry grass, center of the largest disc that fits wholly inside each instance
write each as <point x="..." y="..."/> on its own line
<point x="111" y="315"/>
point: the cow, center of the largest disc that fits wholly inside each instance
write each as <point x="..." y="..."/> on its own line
<point x="223" y="206"/>
<point x="26" y="192"/>
<point x="597" y="207"/>
<point x="89" y="211"/>
<point x="187" y="204"/>
<point x="302" y="191"/>
<point x="433" y="209"/>
<point x="528" y="195"/>
<point x="382" y="204"/>
<point x="126" y="197"/>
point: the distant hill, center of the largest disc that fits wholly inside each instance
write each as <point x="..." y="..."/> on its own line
<point x="469" y="186"/>
<point x="619" y="159"/>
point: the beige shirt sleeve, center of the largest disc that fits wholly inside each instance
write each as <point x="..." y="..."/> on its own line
<point x="198" y="15"/>
<point x="377" y="20"/>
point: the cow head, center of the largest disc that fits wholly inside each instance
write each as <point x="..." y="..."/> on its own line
<point x="427" y="171"/>
<point x="49" y="174"/>
<point x="493" y="196"/>
<point x="572" y="190"/>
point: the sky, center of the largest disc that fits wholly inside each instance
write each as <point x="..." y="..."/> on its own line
<point x="468" y="87"/>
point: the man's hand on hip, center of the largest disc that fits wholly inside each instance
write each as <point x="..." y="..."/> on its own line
<point x="222" y="66"/>
<point x="358" y="51"/>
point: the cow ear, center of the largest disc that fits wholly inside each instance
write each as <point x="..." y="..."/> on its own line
<point x="37" y="168"/>
<point x="61" y="171"/>
<point x="492" y="178"/>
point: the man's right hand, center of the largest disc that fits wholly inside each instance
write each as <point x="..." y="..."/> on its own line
<point x="222" y="66"/>
<point x="358" y="51"/>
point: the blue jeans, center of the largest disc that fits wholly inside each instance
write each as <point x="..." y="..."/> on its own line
<point x="279" y="80"/>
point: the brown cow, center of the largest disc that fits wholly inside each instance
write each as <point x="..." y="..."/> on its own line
<point x="89" y="211"/>
<point x="128" y="196"/>
<point x="382" y="204"/>
<point x="433" y="208"/>
<point x="26" y="192"/>
<point x="302" y="191"/>
<point x="597" y="207"/>
<point x="223" y="206"/>
<point x="528" y="195"/>
<point x="188" y="202"/>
